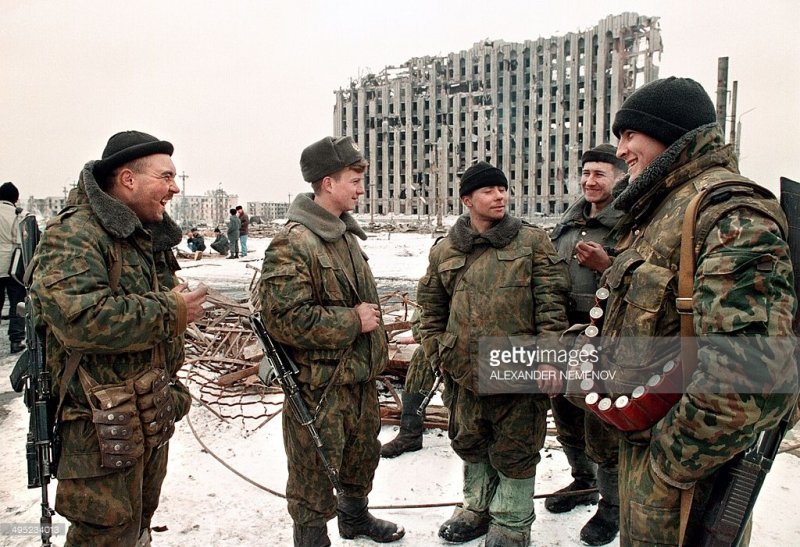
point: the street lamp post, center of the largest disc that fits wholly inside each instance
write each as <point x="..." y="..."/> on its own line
<point x="738" y="141"/>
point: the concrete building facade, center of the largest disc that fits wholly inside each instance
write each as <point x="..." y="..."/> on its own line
<point x="267" y="210"/>
<point x="530" y="108"/>
<point x="211" y="209"/>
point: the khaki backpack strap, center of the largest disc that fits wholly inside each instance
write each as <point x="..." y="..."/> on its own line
<point x="471" y="258"/>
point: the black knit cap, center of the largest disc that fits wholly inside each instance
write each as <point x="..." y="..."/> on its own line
<point x="480" y="175"/>
<point x="328" y="156"/>
<point x="605" y="153"/>
<point x="128" y="146"/>
<point x="666" y="109"/>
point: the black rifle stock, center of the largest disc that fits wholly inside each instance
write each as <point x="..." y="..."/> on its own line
<point x="736" y="489"/>
<point x="429" y="395"/>
<point x="285" y="370"/>
<point x="31" y="377"/>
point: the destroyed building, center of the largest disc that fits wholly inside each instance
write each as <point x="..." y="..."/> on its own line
<point x="530" y="108"/>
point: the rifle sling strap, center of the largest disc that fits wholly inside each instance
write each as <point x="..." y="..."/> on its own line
<point x="471" y="259"/>
<point x="684" y="304"/>
<point x="75" y="357"/>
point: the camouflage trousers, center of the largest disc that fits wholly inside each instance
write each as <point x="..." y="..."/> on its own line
<point x="650" y="508"/>
<point x="507" y="431"/>
<point x="586" y="432"/>
<point x="113" y="509"/>
<point x="348" y="422"/>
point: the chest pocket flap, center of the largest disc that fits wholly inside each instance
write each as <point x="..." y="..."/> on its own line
<point x="624" y="263"/>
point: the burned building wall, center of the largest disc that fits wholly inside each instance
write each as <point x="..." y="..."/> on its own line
<point x="531" y="108"/>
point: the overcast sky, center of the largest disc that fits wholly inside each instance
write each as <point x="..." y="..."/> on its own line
<point x="241" y="87"/>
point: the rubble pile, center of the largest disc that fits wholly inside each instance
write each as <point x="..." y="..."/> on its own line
<point x="223" y="357"/>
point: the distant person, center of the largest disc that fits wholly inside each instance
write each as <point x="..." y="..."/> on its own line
<point x="196" y="241"/>
<point x="243" y="229"/>
<point x="9" y="239"/>
<point x="492" y="276"/>
<point x="220" y="243"/>
<point x="233" y="233"/>
<point x="318" y="297"/>
<point x="113" y="316"/>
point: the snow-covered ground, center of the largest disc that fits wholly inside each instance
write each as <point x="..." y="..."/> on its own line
<point x="206" y="502"/>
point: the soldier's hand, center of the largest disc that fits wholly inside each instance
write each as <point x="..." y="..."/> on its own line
<point x="194" y="300"/>
<point x="592" y="255"/>
<point x="549" y="380"/>
<point x="370" y="316"/>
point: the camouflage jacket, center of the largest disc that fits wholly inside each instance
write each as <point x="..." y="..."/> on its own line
<point x="116" y="331"/>
<point x="576" y="226"/>
<point x="519" y="286"/>
<point x="314" y="273"/>
<point x="743" y="305"/>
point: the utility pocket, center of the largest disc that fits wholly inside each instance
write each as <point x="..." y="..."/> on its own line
<point x="116" y="421"/>
<point x="157" y="410"/>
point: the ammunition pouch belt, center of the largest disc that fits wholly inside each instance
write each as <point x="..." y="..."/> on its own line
<point x="156" y="407"/>
<point x="116" y="421"/>
<point x="130" y="416"/>
<point x="645" y="406"/>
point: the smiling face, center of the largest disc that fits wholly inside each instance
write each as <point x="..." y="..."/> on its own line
<point x="147" y="186"/>
<point x="597" y="182"/>
<point x="346" y="187"/>
<point x="638" y="151"/>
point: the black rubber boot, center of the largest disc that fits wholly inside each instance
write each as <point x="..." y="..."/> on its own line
<point x="409" y="438"/>
<point x="311" y="536"/>
<point x="355" y="520"/>
<point x="583" y="472"/>
<point x="602" y="528"/>
<point x="464" y="525"/>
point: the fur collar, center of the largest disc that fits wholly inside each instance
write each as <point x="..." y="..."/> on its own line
<point x="117" y="218"/>
<point x="464" y="238"/>
<point x="166" y="234"/>
<point x="317" y="219"/>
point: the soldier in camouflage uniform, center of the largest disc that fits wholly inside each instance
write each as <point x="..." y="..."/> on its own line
<point x="123" y="333"/>
<point x="743" y="301"/>
<point x="591" y="445"/>
<point x="318" y="297"/>
<point x="493" y="275"/>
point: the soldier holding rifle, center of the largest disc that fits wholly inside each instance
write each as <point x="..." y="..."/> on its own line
<point x="319" y="300"/>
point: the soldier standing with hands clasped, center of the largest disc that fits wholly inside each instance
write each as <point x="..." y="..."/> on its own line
<point x="319" y="299"/>
<point x="492" y="276"/>
<point x="113" y="315"/>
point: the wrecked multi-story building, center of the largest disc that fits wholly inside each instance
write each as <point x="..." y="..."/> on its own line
<point x="530" y="108"/>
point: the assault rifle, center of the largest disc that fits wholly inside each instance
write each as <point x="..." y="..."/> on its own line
<point x="31" y="377"/>
<point x="278" y="360"/>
